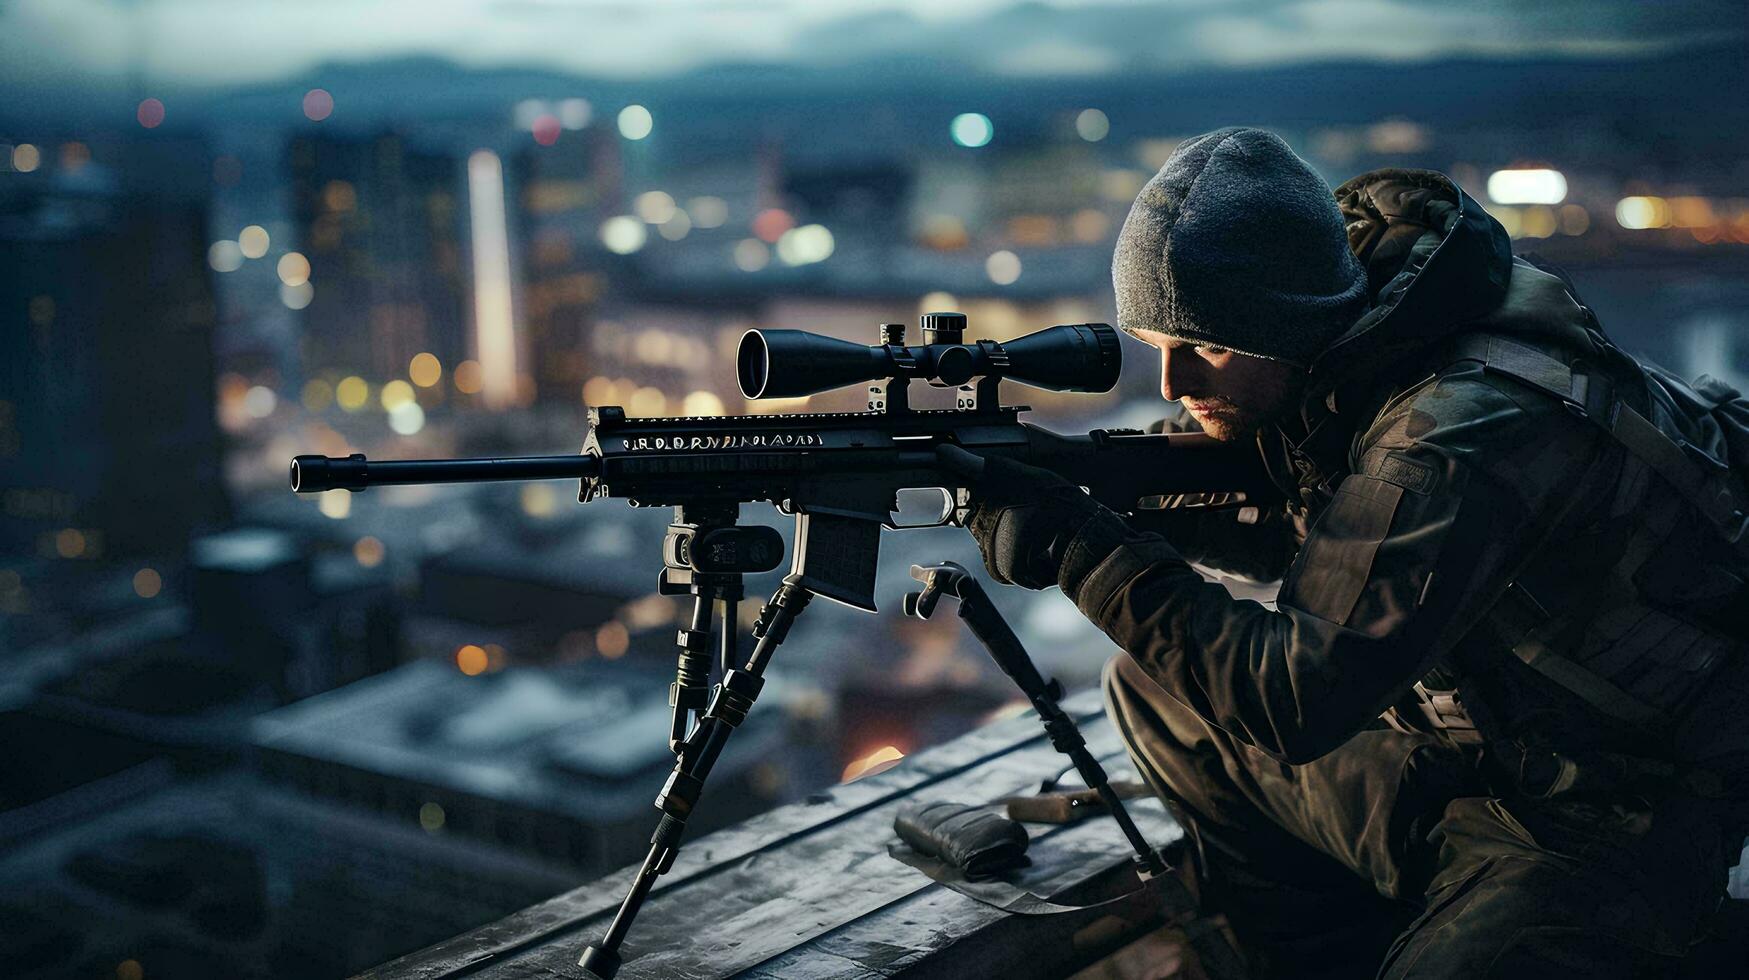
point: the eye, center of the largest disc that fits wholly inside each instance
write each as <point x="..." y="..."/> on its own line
<point x="1208" y="350"/>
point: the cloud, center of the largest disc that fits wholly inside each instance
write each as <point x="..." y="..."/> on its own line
<point x="1047" y="59"/>
<point x="221" y="43"/>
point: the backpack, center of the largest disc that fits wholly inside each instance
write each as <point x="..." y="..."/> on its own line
<point x="1653" y="665"/>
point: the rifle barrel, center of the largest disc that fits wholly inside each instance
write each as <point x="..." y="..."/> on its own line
<point x="311" y="474"/>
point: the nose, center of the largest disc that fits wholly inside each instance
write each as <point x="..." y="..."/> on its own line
<point x="1178" y="373"/>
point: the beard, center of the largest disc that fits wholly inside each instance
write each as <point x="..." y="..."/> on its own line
<point x="1223" y="419"/>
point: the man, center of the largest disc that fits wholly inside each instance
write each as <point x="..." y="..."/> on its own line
<point x="1494" y="725"/>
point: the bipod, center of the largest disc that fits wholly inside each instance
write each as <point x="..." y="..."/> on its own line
<point x="1218" y="958"/>
<point x="987" y="624"/>
<point x="704" y="554"/>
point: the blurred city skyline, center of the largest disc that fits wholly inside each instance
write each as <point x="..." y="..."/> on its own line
<point x="59" y="56"/>
<point x="234" y="233"/>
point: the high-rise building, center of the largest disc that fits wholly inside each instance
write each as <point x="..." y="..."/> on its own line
<point x="107" y="433"/>
<point x="380" y="225"/>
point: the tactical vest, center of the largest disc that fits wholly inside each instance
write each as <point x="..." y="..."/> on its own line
<point x="1630" y="646"/>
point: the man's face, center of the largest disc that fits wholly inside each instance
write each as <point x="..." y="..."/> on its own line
<point x="1231" y="395"/>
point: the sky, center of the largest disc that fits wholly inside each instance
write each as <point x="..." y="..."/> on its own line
<point x="62" y="46"/>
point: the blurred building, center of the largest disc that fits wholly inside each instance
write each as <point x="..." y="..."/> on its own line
<point x="107" y="430"/>
<point x="561" y="199"/>
<point x="150" y="874"/>
<point x="560" y="763"/>
<point x="381" y="223"/>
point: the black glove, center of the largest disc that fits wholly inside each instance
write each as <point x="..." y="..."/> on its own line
<point x="1024" y="518"/>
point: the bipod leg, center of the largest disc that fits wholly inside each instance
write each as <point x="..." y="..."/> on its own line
<point x="690" y="692"/>
<point x="730" y="701"/>
<point x="992" y="630"/>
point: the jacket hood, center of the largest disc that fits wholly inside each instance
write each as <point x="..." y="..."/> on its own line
<point x="1435" y="262"/>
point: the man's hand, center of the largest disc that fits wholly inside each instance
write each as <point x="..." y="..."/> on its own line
<point x="1023" y="517"/>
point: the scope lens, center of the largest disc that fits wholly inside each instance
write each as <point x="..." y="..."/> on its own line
<point x="752" y="364"/>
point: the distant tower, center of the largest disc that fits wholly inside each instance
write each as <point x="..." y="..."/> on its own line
<point x="380" y="223"/>
<point x="108" y="442"/>
<point x="494" y="309"/>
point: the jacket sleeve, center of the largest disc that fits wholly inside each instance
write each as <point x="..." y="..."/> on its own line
<point x="1250" y="542"/>
<point x="1417" y="543"/>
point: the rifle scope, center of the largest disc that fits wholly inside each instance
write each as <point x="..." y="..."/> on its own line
<point x="792" y="363"/>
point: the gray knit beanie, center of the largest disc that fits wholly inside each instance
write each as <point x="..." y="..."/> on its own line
<point x="1237" y="243"/>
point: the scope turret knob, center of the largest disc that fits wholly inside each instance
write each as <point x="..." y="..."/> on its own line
<point x="954" y="366"/>
<point x="893" y="334"/>
<point x="944" y="328"/>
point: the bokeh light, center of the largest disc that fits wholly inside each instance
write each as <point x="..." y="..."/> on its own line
<point x="468" y="377"/>
<point x="1092" y="125"/>
<point x="70" y="542"/>
<point x="1002" y="267"/>
<point x="296" y="297"/>
<point x="708" y="212"/>
<point x="74" y="156"/>
<point x="368" y="551"/>
<point x="260" y="401"/>
<point x="599" y="391"/>
<point x="148" y="583"/>
<point x="1575" y="220"/>
<point x="317" y="395"/>
<point x="527" y="111"/>
<point x="546" y="129"/>
<point x="635" y="122"/>
<point x="938" y="302"/>
<point x="654" y="207"/>
<point x="623" y="234"/>
<point x="678" y="225"/>
<point x="751" y="255"/>
<point x="339" y="196"/>
<point x="352" y="393"/>
<point x="335" y="504"/>
<point x="612" y="640"/>
<point x="294" y="269"/>
<point x="972" y="129"/>
<point x="224" y="256"/>
<point x="702" y="403"/>
<point x="26" y="158"/>
<point x="770" y="224"/>
<point x="1538" y="221"/>
<point x="647" y="401"/>
<point x="805" y="245"/>
<point x="395" y="394"/>
<point x="318" y="104"/>
<point x="1531" y="186"/>
<point x="253" y="240"/>
<point x="150" y="113"/>
<point x="538" y="500"/>
<point x="407" y="419"/>
<point x="575" y="113"/>
<point x="1641" y="212"/>
<point x="425" y="369"/>
<point x="1090" y="225"/>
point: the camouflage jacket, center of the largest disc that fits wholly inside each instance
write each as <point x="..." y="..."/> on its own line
<point x="1421" y="485"/>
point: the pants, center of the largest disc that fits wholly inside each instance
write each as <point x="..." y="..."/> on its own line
<point x="1388" y="856"/>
